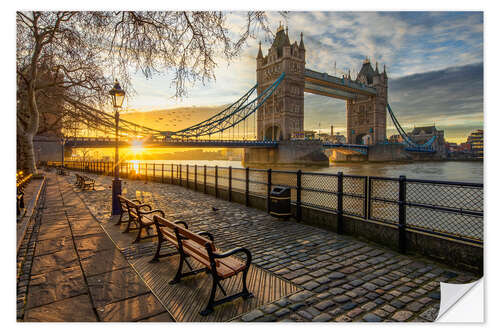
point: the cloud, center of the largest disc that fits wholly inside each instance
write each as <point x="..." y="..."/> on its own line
<point x="434" y="61"/>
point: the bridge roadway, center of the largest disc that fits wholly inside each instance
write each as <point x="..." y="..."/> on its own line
<point x="155" y="143"/>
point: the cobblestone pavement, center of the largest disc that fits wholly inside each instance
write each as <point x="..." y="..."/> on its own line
<point x="343" y="279"/>
<point x="73" y="272"/>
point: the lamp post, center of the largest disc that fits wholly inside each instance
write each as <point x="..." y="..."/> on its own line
<point x="117" y="96"/>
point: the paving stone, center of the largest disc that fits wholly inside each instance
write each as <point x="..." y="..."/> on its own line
<point x="282" y="312"/>
<point x="355" y="312"/>
<point x="114" y="286"/>
<point x="305" y="314"/>
<point x="131" y="309"/>
<point x="53" y="245"/>
<point x="74" y="309"/>
<point x="371" y="317"/>
<point x="336" y="275"/>
<point x="54" y="261"/>
<point x="341" y="299"/>
<point x="103" y="261"/>
<point x="430" y="314"/>
<point x="402" y="315"/>
<point x="310" y="285"/>
<point x="300" y="296"/>
<point x="322" y="318"/>
<point x="349" y="306"/>
<point x="251" y="316"/>
<point x="321" y="306"/>
<point x="54" y="286"/>
<point x="269" y="308"/>
<point x="88" y="245"/>
<point x="414" y="306"/>
<point x="369" y="306"/>
<point x="283" y="301"/>
<point x="302" y="279"/>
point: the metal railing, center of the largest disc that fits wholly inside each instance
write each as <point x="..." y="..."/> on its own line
<point x="438" y="208"/>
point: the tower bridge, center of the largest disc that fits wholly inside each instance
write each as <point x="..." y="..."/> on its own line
<point x="277" y="114"/>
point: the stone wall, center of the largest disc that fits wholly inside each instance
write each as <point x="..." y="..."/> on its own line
<point x="290" y="152"/>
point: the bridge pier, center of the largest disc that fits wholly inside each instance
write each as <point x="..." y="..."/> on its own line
<point x="287" y="153"/>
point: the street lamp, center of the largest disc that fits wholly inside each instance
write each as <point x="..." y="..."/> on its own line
<point x="117" y="97"/>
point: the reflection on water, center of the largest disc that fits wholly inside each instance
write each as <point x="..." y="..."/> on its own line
<point x="462" y="171"/>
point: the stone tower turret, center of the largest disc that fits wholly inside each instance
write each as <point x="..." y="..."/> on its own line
<point x="366" y="116"/>
<point x="282" y="116"/>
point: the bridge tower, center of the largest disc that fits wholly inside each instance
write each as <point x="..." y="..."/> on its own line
<point x="282" y="115"/>
<point x="366" y="115"/>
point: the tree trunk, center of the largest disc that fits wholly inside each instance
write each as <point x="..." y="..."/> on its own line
<point x="28" y="163"/>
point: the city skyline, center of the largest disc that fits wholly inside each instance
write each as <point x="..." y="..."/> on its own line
<point x="434" y="62"/>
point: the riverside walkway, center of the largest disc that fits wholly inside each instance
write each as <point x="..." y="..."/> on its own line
<point x="300" y="272"/>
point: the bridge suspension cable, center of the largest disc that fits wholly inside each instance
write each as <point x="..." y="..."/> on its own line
<point x="229" y="117"/>
<point x="412" y="145"/>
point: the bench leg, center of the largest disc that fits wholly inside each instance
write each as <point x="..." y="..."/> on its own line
<point x="210" y="306"/>
<point x="138" y="238"/>
<point x="156" y="258"/>
<point x="178" y="275"/>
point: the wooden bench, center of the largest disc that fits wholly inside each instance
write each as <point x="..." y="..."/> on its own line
<point x="220" y="265"/>
<point x="21" y="182"/>
<point x="138" y="213"/>
<point x="84" y="182"/>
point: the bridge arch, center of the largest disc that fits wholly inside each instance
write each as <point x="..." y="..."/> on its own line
<point x="273" y="133"/>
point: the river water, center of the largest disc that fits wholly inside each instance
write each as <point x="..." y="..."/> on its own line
<point x="460" y="171"/>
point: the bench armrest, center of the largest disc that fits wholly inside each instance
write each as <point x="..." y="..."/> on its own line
<point x="184" y="224"/>
<point x="206" y="233"/>
<point x="144" y="205"/>
<point x="136" y="201"/>
<point x="152" y="211"/>
<point x="234" y="251"/>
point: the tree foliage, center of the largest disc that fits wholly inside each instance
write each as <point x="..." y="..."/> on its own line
<point x="66" y="61"/>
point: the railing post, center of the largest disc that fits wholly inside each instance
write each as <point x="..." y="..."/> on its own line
<point x="402" y="214"/>
<point x="365" y="205"/>
<point x="205" y="179"/>
<point x="187" y="175"/>
<point x="216" y="182"/>
<point x="154" y="167"/>
<point x="179" y="174"/>
<point x="196" y="177"/>
<point x="171" y="173"/>
<point x="162" y="171"/>
<point x="269" y="183"/>
<point x="146" y="171"/>
<point x="139" y="170"/>
<point x="340" y="203"/>
<point x="298" y="212"/>
<point x="369" y="199"/>
<point x="247" y="186"/>
<point x="229" y="185"/>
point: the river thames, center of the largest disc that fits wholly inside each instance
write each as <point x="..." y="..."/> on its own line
<point x="460" y="171"/>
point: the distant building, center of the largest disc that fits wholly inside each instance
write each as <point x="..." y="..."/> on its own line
<point x="464" y="147"/>
<point x="451" y="147"/>
<point x="421" y="135"/>
<point x="310" y="135"/>
<point x="396" y="138"/>
<point x="475" y="140"/>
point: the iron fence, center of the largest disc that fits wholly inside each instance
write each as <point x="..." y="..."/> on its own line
<point x="448" y="209"/>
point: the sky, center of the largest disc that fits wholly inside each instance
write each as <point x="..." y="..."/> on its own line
<point x="434" y="61"/>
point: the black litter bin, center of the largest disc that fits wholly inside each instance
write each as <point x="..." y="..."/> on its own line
<point x="280" y="203"/>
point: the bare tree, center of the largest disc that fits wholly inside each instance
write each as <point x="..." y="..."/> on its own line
<point x="66" y="61"/>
